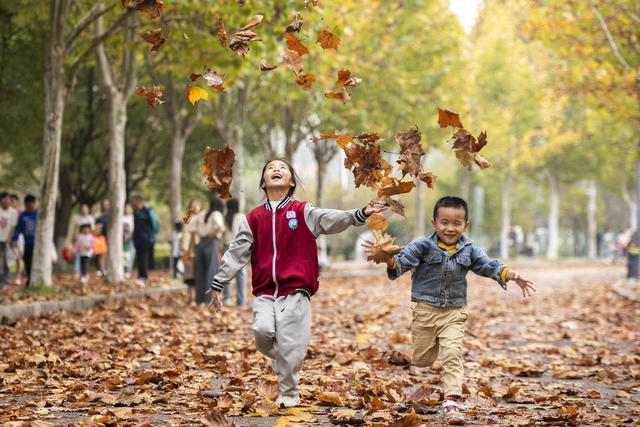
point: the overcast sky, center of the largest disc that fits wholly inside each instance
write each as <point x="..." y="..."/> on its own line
<point x="467" y="10"/>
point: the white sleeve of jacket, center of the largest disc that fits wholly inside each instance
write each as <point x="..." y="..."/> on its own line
<point x="330" y="221"/>
<point x="235" y="258"/>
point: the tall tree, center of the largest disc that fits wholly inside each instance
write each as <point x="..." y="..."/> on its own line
<point x="61" y="44"/>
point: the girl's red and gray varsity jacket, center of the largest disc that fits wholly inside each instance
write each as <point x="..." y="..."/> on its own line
<point x="281" y="245"/>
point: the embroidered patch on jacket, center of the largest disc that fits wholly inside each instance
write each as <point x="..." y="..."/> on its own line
<point x="293" y="223"/>
<point x="291" y="214"/>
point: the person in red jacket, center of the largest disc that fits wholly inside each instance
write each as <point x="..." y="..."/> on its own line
<point x="279" y="238"/>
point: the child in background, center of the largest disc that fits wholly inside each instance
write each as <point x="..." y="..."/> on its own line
<point x="439" y="265"/>
<point x="83" y="249"/>
<point x="26" y="227"/>
<point x="176" y="252"/>
<point x="279" y="238"/>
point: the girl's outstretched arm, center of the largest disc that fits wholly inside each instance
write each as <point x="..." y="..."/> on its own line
<point x="331" y="221"/>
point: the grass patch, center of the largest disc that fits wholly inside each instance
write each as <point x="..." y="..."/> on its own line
<point x="45" y="291"/>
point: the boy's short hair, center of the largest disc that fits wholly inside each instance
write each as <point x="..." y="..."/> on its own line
<point x="3" y="195"/>
<point x="178" y="226"/>
<point x="29" y="198"/>
<point x="451" y="202"/>
<point x="14" y="196"/>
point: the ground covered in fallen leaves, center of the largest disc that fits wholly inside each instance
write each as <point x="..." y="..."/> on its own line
<point x="567" y="356"/>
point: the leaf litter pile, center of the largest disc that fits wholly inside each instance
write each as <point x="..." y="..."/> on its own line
<point x="568" y="356"/>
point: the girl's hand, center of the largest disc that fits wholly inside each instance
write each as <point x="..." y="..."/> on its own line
<point x="215" y="299"/>
<point x="368" y="246"/>
<point x="524" y="284"/>
<point x="371" y="209"/>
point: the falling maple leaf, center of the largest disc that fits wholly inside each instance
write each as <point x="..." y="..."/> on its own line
<point x="383" y="249"/>
<point x="293" y="43"/>
<point x="448" y="118"/>
<point x="343" y="140"/>
<point x="462" y="139"/>
<point x="219" y="165"/>
<point x="153" y="96"/>
<point x="295" y="25"/>
<point x="267" y="67"/>
<point x="194" y="94"/>
<point x="255" y="20"/>
<point x="154" y="37"/>
<point x="428" y="178"/>
<point x="328" y="40"/>
<point x="368" y="138"/>
<point x="311" y="2"/>
<point x="293" y="61"/>
<point x="305" y="80"/>
<point x="187" y="218"/>
<point x="482" y="141"/>
<point x="329" y="135"/>
<point x="193" y="77"/>
<point x="222" y="34"/>
<point x="214" y="80"/>
<point x="342" y="96"/>
<point x="345" y="78"/>
<point x="390" y="185"/>
<point x="395" y="205"/>
<point x="481" y="161"/>
<point x="410" y="152"/>
<point x="377" y="222"/>
<point x="153" y="8"/>
<point x="366" y="164"/>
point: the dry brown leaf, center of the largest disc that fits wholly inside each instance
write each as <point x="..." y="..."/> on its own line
<point x="218" y="169"/>
<point x="153" y="96"/>
<point x="295" y="25"/>
<point x="255" y="20"/>
<point x="154" y="37"/>
<point x="383" y="249"/>
<point x="390" y="185"/>
<point x="153" y="8"/>
<point x="293" y="43"/>
<point x="345" y="78"/>
<point x="187" y="218"/>
<point x="267" y="67"/>
<point x="448" y="118"/>
<point x="328" y="40"/>
<point x="395" y="205"/>
<point x="222" y="34"/>
<point x="428" y="178"/>
<point x="305" y="80"/>
<point x="342" y="96"/>
<point x="330" y="397"/>
<point x="293" y="60"/>
<point x="377" y="222"/>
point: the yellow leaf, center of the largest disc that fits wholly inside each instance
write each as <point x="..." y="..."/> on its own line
<point x="343" y="140"/>
<point x="194" y="93"/>
<point x="328" y="40"/>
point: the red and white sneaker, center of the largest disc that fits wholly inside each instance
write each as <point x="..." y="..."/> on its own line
<point x="451" y="411"/>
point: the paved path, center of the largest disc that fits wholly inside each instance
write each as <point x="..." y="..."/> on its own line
<point x="567" y="356"/>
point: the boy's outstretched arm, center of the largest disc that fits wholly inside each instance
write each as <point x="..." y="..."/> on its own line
<point x="409" y="257"/>
<point x="525" y="284"/>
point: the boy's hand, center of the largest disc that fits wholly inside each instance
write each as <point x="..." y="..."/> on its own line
<point x="368" y="249"/>
<point x="215" y="299"/>
<point x="524" y="284"/>
<point x="374" y="208"/>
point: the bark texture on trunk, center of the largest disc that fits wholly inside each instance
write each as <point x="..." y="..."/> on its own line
<point x="554" y="216"/>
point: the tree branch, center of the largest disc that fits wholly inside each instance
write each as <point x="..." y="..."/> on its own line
<point x="610" y="38"/>
<point x="91" y="15"/>
<point x="73" y="71"/>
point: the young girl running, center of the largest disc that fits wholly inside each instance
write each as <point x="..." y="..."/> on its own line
<point x="279" y="238"/>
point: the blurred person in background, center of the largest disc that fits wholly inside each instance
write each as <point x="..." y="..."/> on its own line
<point x="210" y="228"/>
<point x="17" y="249"/>
<point x="27" y="228"/>
<point x="145" y="227"/>
<point x="83" y="217"/>
<point x="189" y="245"/>
<point x="101" y="247"/>
<point x="232" y="220"/>
<point x="128" y="248"/>
<point x="8" y="221"/>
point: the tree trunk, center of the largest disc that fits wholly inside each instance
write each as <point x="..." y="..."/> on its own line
<point x="631" y="202"/>
<point x="505" y="214"/>
<point x="117" y="189"/>
<point x="118" y="93"/>
<point x="54" y="110"/>
<point x="175" y="175"/>
<point x="592" y="226"/>
<point x="63" y="214"/>
<point x="464" y="183"/>
<point x="554" y="216"/>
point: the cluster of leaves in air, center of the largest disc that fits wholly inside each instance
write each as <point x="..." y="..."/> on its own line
<point x="465" y="145"/>
<point x="218" y="172"/>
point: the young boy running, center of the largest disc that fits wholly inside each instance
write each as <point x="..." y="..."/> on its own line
<point x="440" y="264"/>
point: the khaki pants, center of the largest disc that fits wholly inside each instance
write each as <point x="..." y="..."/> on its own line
<point x="440" y="329"/>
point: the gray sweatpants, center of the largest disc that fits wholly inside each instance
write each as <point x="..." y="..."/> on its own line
<point x="282" y="328"/>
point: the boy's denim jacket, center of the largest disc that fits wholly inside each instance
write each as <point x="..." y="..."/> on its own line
<point x="439" y="277"/>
